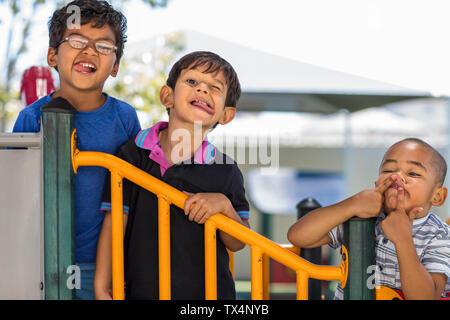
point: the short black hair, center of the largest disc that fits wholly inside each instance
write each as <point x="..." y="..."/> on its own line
<point x="98" y="12"/>
<point x="213" y="63"/>
<point x="437" y="160"/>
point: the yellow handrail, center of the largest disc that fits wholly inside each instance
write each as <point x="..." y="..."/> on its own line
<point x="261" y="247"/>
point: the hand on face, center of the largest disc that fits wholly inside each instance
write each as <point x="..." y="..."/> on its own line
<point x="391" y="194"/>
<point x="397" y="226"/>
<point x="370" y="202"/>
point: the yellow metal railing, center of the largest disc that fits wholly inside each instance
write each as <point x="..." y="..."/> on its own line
<point x="261" y="247"/>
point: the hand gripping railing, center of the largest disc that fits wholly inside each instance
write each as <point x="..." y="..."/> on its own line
<point x="261" y="247"/>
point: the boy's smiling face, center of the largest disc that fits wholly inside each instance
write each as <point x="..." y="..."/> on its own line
<point x="84" y="69"/>
<point x="411" y="163"/>
<point x="199" y="97"/>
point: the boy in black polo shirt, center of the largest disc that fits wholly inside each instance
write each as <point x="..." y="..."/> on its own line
<point x="202" y="91"/>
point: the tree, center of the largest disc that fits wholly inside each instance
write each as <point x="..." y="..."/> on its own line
<point x="144" y="73"/>
<point x="12" y="54"/>
<point x="22" y="14"/>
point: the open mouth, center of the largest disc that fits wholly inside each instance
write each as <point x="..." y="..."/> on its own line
<point x="85" y="67"/>
<point x="396" y="185"/>
<point x="202" y="104"/>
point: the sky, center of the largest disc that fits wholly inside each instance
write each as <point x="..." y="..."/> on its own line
<point x="400" y="42"/>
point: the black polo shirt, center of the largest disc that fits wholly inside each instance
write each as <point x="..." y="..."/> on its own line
<point x="221" y="175"/>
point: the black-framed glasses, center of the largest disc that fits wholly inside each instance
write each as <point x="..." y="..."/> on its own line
<point x="77" y="41"/>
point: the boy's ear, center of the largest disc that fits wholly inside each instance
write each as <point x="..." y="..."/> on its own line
<point x="228" y="114"/>
<point x="439" y="196"/>
<point x="115" y="69"/>
<point x="166" y="96"/>
<point x="52" y="58"/>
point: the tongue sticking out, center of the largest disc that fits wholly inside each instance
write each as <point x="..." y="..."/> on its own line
<point x="84" y="68"/>
<point x="203" y="106"/>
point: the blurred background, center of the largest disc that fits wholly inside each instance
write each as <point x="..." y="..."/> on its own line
<point x="327" y="87"/>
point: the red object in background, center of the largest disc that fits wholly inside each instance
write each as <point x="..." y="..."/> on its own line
<point x="281" y="273"/>
<point x="37" y="82"/>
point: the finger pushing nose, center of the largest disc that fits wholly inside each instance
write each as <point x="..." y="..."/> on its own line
<point x="398" y="177"/>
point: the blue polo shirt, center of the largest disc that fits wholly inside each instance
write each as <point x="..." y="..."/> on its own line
<point x="208" y="171"/>
<point x="104" y="130"/>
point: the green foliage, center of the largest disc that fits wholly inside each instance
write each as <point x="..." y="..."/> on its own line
<point x="153" y="3"/>
<point x="142" y="76"/>
<point x="19" y="29"/>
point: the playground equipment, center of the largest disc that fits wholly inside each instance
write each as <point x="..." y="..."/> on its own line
<point x="21" y="217"/>
<point x="168" y="195"/>
<point x="37" y="211"/>
<point x="61" y="159"/>
<point x="36" y="83"/>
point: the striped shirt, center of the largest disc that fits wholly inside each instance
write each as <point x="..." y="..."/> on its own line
<point x="431" y="238"/>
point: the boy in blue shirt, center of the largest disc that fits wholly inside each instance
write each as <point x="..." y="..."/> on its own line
<point x="85" y="56"/>
<point x="202" y="91"/>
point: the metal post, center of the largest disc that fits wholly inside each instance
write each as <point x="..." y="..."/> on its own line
<point x="313" y="255"/>
<point x="447" y="205"/>
<point x="348" y="151"/>
<point x="59" y="205"/>
<point x="359" y="238"/>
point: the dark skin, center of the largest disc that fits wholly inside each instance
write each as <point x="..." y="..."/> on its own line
<point x="407" y="188"/>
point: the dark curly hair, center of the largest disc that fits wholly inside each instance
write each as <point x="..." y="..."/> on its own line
<point x="213" y="63"/>
<point x="98" y="12"/>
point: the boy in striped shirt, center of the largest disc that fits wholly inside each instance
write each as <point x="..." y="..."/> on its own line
<point x="412" y="244"/>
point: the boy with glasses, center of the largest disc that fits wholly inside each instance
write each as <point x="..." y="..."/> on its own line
<point x="85" y="55"/>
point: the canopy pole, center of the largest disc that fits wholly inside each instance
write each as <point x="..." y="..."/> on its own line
<point x="347" y="150"/>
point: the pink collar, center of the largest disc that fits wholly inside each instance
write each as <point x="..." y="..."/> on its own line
<point x="148" y="139"/>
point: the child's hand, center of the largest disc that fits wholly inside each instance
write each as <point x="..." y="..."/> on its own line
<point x="391" y="195"/>
<point x="103" y="295"/>
<point x="397" y="226"/>
<point x="200" y="206"/>
<point x="368" y="203"/>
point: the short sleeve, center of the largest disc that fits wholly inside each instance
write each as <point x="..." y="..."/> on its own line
<point x="136" y="127"/>
<point x="436" y="256"/>
<point x="237" y="194"/>
<point x="133" y="124"/>
<point x="127" y="186"/>
<point x="27" y="121"/>
<point x="337" y="236"/>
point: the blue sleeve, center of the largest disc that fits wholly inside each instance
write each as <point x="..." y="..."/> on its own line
<point x="134" y="125"/>
<point x="129" y="119"/>
<point x="27" y="121"/>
